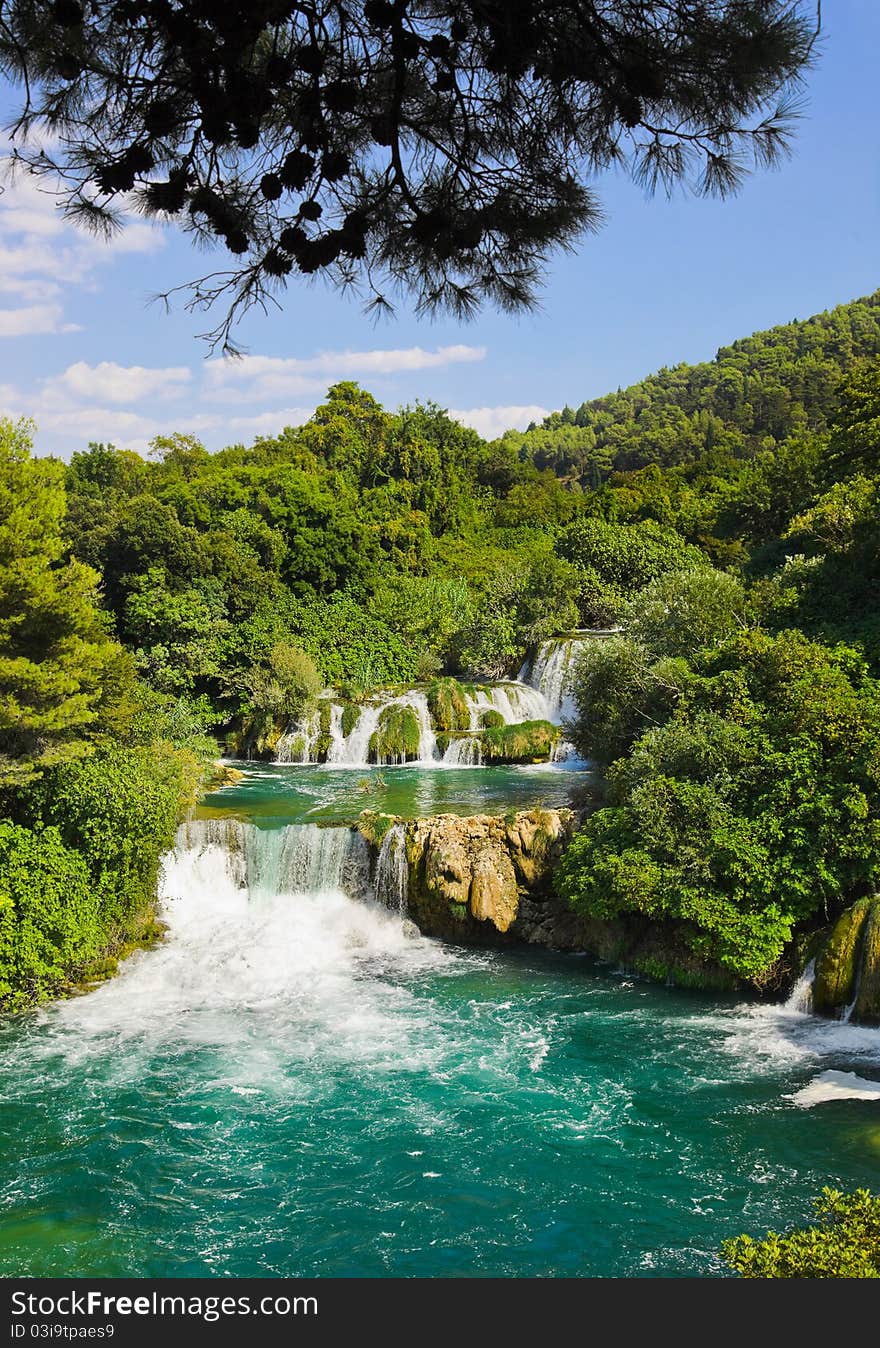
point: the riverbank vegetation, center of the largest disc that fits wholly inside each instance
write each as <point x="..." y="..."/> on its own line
<point x="94" y="767"/>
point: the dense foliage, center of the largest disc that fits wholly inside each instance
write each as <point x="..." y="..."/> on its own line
<point x="750" y="808"/>
<point x="845" y="1243"/>
<point x="757" y="394"/>
<point x="739" y="714"/>
<point x="440" y="149"/>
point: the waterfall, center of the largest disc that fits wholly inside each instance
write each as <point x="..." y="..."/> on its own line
<point x="465" y="752"/>
<point x="550" y="673"/>
<point x="801" y="998"/>
<point x="427" y="739"/>
<point x="297" y="859"/>
<point x="392" y="870"/>
<point x="351" y="750"/>
<point x="514" y="700"/>
<point x="299" y="743"/>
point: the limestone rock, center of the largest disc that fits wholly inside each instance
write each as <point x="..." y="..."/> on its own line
<point x="494" y="896"/>
<point x="468" y="875"/>
<point x="225" y="775"/>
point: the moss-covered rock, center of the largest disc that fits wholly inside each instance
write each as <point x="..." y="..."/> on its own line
<point x="224" y="775"/>
<point x="373" y="825"/>
<point x="867" y="1008"/>
<point x="322" y="745"/>
<point x="350" y="716"/>
<point x="257" y="737"/>
<point x="396" y="738"/>
<point x="526" y="742"/>
<point x="448" y="705"/>
<point x="837" y="966"/>
<point x="491" y="718"/>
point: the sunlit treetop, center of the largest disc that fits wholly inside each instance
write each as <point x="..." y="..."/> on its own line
<point x="435" y="151"/>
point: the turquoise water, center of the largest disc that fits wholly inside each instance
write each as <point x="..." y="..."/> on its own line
<point x="314" y="794"/>
<point x="294" y="1085"/>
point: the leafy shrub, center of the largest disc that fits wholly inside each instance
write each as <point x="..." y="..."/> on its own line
<point x="845" y="1243"/>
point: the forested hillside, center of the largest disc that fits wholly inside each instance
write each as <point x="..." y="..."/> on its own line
<point x="752" y="396"/>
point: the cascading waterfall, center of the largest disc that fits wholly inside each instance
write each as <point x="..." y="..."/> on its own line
<point x="299" y="743"/>
<point x="351" y="750"/>
<point x="392" y="870"/>
<point x="514" y="701"/>
<point x="540" y="694"/>
<point x="427" y="739"/>
<point x="296" y="859"/>
<point x="550" y="673"/>
<point x="464" y="752"/>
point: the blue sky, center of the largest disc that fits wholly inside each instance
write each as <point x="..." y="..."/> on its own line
<point x="88" y="357"/>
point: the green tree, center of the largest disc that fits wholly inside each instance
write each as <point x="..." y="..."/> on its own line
<point x="180" y="635"/>
<point x="681" y="612"/>
<point x="63" y="680"/>
<point x="285" y="685"/>
<point x="620" y="690"/>
<point x="49" y="914"/>
<point x="753" y="809"/>
<point x="854" y="442"/>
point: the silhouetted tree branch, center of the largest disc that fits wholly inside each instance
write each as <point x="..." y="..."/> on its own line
<point x="438" y="150"/>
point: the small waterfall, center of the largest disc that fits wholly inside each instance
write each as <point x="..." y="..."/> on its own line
<point x="513" y="700"/>
<point x="427" y="739"/>
<point x="392" y="870"/>
<point x="351" y="751"/>
<point x="313" y="859"/>
<point x="801" y="998"/>
<point x="299" y="744"/>
<point x="465" y="752"/>
<point x="297" y="859"/>
<point x="550" y="672"/>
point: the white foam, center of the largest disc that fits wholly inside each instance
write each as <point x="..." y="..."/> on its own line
<point x="833" y="1085"/>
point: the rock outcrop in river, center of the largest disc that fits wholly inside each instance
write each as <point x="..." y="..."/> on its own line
<point x="847" y="979"/>
<point x="467" y="878"/>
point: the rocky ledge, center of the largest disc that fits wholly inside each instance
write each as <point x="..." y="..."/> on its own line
<point x="486" y="879"/>
<point x="473" y="878"/>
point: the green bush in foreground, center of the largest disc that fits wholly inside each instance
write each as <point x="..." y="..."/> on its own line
<point x="78" y="871"/>
<point x="844" y="1244"/>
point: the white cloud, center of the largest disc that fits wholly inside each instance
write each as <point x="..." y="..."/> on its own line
<point x="42" y="255"/>
<point x="118" y="383"/>
<point x="493" y="421"/>
<point x="98" y="423"/>
<point x="261" y="377"/>
<point x="34" y="319"/>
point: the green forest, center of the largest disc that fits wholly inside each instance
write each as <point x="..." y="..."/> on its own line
<point x="153" y="610"/>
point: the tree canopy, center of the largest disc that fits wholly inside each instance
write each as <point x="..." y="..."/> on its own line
<point x="436" y="149"/>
